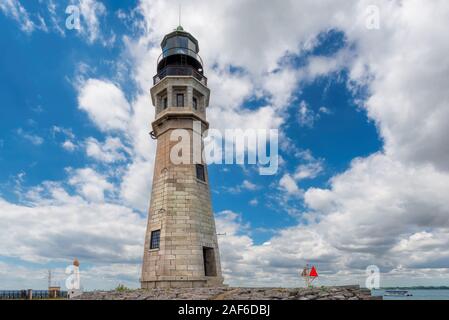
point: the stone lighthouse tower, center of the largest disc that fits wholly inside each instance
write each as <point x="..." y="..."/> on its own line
<point x="181" y="247"/>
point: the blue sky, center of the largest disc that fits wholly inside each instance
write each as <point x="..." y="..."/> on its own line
<point x="362" y="179"/>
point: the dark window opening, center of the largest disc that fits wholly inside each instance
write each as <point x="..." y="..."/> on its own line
<point x="180" y="100"/>
<point x="164" y="103"/>
<point x="155" y="239"/>
<point x="195" y="103"/>
<point x="210" y="269"/>
<point x="200" y="174"/>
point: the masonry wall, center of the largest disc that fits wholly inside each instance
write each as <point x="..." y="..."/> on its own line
<point x="181" y="208"/>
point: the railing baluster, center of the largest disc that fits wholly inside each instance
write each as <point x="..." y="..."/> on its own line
<point x="179" y="71"/>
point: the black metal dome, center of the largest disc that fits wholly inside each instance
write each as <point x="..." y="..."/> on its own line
<point x="179" y="56"/>
<point x="180" y="48"/>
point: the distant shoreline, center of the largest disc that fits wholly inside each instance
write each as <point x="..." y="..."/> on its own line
<point x="416" y="288"/>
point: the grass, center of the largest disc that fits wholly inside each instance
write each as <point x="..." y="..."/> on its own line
<point x="122" y="288"/>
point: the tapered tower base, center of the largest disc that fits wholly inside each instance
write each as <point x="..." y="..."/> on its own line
<point x="211" y="282"/>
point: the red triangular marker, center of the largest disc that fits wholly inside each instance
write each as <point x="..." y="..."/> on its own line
<point x="313" y="272"/>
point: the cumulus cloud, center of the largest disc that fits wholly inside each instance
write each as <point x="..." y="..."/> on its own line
<point x="58" y="227"/>
<point x="91" y="13"/>
<point x="379" y="201"/>
<point x="107" y="107"/>
<point x="389" y="208"/>
<point x="105" y="104"/>
<point x="112" y="150"/>
<point x="136" y="184"/>
<point x="69" y="145"/>
<point x="90" y="184"/>
<point x="399" y="193"/>
<point x="246" y="185"/>
<point x="68" y="135"/>
<point x="409" y="101"/>
<point x="288" y="184"/>
<point x="309" y="170"/>
<point x="277" y="261"/>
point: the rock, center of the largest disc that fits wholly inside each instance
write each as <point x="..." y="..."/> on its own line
<point x="293" y="293"/>
<point x="323" y="293"/>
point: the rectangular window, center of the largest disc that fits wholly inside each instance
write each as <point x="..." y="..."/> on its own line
<point x="164" y="103"/>
<point x="195" y="103"/>
<point x="210" y="269"/>
<point x="155" y="239"/>
<point x="180" y="100"/>
<point x="200" y="174"/>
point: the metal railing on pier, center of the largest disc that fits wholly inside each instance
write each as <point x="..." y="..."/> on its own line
<point x="35" y="294"/>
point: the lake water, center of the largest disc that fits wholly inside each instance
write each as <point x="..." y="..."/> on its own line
<point x="426" y="294"/>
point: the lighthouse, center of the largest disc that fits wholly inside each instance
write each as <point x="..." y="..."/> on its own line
<point x="181" y="248"/>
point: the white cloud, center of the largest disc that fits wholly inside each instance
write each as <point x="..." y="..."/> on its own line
<point x="65" y="131"/>
<point x="105" y="104"/>
<point x="91" y="12"/>
<point x="281" y="259"/>
<point x="104" y="276"/>
<point x="254" y="202"/>
<point x="384" y="199"/>
<point x="378" y="201"/>
<point x="306" y="117"/>
<point x="389" y="209"/>
<point x="136" y="184"/>
<point x="248" y="185"/>
<point x="15" y="10"/>
<point x="69" y="145"/>
<point x="55" y="17"/>
<point x="325" y="110"/>
<point x="378" y="56"/>
<point x="109" y="276"/>
<point x="68" y="136"/>
<point x="288" y="184"/>
<point x="277" y="261"/>
<point x="112" y="150"/>
<point x="308" y="171"/>
<point x="110" y="111"/>
<point x="53" y="229"/>
<point x="90" y="184"/>
<point x="245" y="185"/>
<point x="34" y="139"/>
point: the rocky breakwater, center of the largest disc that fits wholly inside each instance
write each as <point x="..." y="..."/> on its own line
<point x="229" y="293"/>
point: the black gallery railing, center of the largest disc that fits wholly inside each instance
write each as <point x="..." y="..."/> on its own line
<point x="179" y="71"/>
